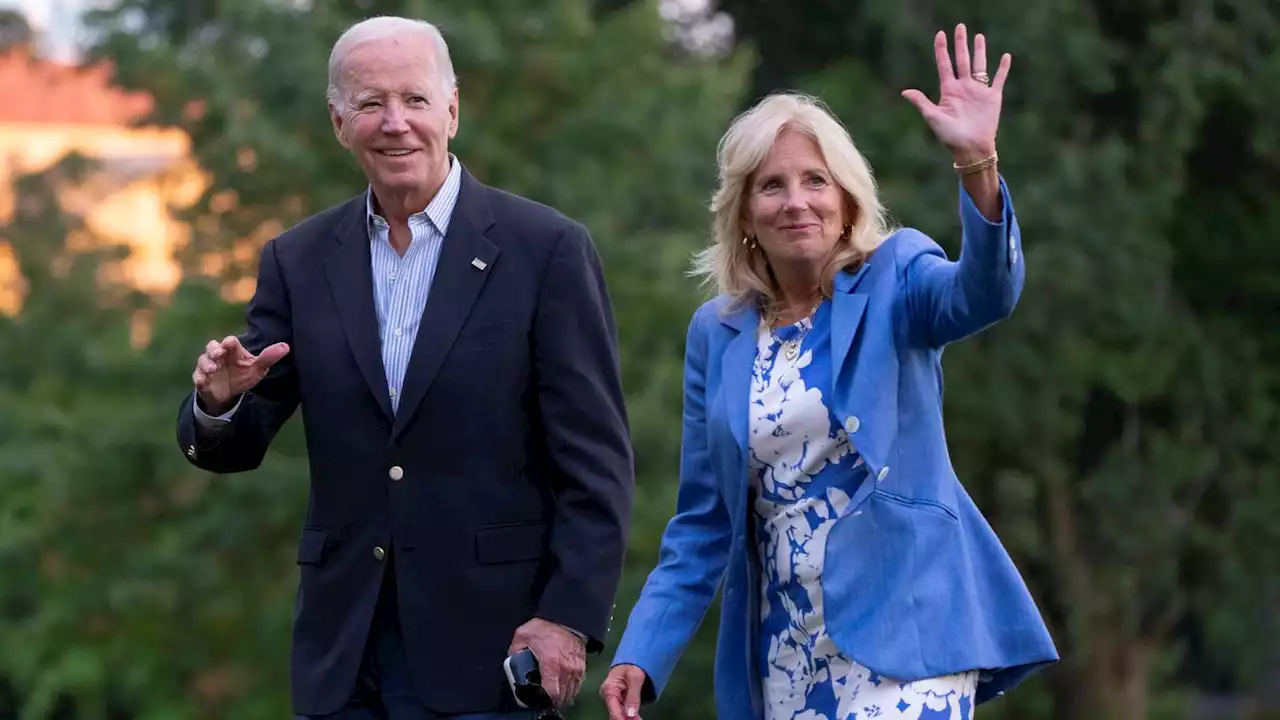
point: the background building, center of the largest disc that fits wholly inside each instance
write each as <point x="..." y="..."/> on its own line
<point x="51" y="109"/>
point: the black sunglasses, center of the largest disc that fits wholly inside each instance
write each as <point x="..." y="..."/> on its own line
<point x="535" y="697"/>
<point x="526" y="685"/>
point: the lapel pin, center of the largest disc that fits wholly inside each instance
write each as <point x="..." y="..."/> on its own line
<point x="479" y="264"/>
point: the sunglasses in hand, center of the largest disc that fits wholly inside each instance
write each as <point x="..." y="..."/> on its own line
<point x="526" y="685"/>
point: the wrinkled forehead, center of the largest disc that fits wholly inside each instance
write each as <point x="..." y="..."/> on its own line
<point x="399" y="63"/>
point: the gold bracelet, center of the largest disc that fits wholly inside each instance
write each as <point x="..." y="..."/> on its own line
<point x="978" y="166"/>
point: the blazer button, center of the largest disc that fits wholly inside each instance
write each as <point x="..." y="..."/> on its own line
<point x="396" y="472"/>
<point x="379" y="553"/>
<point x="884" y="473"/>
<point x="852" y="424"/>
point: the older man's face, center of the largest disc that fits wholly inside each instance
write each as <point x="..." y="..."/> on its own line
<point x="395" y="116"/>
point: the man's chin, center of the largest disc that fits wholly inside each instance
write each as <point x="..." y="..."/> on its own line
<point x="400" y="183"/>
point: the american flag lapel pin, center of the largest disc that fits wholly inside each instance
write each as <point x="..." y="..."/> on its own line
<point x="479" y="264"/>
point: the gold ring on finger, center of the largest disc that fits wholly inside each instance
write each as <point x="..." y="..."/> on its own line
<point x="981" y="77"/>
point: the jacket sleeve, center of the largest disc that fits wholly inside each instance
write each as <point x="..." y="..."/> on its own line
<point x="695" y="545"/>
<point x="947" y="301"/>
<point x="583" y="416"/>
<point x="241" y="443"/>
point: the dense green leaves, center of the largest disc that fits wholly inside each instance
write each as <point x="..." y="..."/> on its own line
<point x="1118" y="430"/>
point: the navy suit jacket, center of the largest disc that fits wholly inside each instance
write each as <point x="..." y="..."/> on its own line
<point x="501" y="489"/>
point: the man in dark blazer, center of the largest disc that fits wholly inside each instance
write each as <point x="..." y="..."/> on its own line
<point x="453" y="351"/>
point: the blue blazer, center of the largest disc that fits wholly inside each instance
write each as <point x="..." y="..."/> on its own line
<point x="915" y="582"/>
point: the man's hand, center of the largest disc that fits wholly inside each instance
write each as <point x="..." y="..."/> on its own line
<point x="562" y="657"/>
<point x="226" y="370"/>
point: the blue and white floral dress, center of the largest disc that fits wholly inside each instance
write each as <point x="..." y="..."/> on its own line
<point x="803" y="472"/>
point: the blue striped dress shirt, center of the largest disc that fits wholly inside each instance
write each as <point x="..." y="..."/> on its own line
<point x="400" y="284"/>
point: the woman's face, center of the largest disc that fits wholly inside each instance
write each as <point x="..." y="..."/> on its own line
<point x="794" y="208"/>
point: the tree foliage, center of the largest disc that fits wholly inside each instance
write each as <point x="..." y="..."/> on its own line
<point x="1117" y="430"/>
<point x="15" y="31"/>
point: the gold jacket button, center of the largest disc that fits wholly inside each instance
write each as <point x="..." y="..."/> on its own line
<point x="379" y="553"/>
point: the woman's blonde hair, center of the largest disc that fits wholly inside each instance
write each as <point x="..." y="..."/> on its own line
<point x="740" y="270"/>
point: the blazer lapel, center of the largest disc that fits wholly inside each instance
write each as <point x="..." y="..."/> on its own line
<point x="735" y="369"/>
<point x="854" y="393"/>
<point x="739" y="354"/>
<point x="348" y="270"/>
<point x="454" y="290"/>
<point x="846" y="316"/>
<point x="735" y="387"/>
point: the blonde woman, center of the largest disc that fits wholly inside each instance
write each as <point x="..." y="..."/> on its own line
<point x="859" y="578"/>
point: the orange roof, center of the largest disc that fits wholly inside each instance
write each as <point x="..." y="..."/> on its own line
<point x="43" y="91"/>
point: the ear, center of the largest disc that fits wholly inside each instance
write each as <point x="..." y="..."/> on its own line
<point x="850" y="211"/>
<point x="744" y="209"/>
<point x="339" y="126"/>
<point x="453" y="113"/>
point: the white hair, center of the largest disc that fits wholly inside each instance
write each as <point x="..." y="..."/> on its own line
<point x="382" y="27"/>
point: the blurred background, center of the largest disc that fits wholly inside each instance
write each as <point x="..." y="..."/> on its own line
<point x="1119" y="431"/>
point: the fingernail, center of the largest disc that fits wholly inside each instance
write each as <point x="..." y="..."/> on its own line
<point x="631" y="712"/>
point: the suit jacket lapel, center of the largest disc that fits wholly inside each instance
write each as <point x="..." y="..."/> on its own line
<point x="454" y="290"/>
<point x="347" y="267"/>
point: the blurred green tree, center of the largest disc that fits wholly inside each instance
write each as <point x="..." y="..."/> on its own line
<point x="1117" y="430"/>
<point x="134" y="586"/>
<point x="15" y="31"/>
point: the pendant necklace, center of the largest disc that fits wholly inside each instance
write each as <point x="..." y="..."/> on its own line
<point x="791" y="348"/>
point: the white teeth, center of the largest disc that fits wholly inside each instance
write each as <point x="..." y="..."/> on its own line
<point x="396" y="153"/>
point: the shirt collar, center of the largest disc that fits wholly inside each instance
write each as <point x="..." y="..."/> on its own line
<point x="438" y="212"/>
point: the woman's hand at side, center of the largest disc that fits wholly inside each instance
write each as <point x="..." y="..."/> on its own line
<point x="621" y="691"/>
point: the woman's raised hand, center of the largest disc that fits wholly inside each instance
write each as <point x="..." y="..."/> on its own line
<point x="967" y="114"/>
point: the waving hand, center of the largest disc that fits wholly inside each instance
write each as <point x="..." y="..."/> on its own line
<point x="967" y="113"/>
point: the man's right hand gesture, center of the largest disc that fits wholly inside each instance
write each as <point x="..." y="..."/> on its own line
<point x="226" y="370"/>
